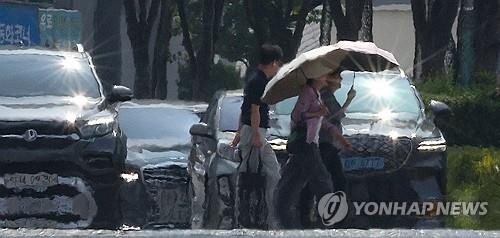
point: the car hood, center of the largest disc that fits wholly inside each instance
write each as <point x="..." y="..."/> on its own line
<point x="48" y="108"/>
<point x="151" y="157"/>
<point x="400" y="125"/>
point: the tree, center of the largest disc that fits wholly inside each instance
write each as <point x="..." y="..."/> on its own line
<point x="466" y="55"/>
<point x="433" y="21"/>
<point x="279" y="22"/>
<point x="325" y="25"/>
<point x="201" y="63"/>
<point x="140" y="23"/>
<point x="107" y="48"/>
<point x="161" y="51"/>
<point x="365" y="33"/>
<point x="349" y="24"/>
<point x="354" y="24"/>
<point x="486" y="42"/>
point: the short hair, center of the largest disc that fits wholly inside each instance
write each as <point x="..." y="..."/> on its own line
<point x="269" y="53"/>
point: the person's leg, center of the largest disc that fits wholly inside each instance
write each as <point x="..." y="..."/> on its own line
<point x="246" y="150"/>
<point x="293" y="179"/>
<point x="271" y="169"/>
<point x="331" y="159"/>
<point x="306" y="207"/>
<point x="321" y="181"/>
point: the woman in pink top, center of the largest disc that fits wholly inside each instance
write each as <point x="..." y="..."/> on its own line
<point x="306" y="166"/>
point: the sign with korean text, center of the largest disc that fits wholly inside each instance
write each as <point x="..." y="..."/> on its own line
<point x="18" y="23"/>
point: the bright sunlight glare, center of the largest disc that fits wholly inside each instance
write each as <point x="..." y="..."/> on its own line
<point x="70" y="64"/>
<point x="380" y="88"/>
<point x="79" y="100"/>
<point x="385" y="115"/>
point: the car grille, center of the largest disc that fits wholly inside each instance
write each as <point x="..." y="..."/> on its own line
<point x="41" y="127"/>
<point x="67" y="204"/>
<point x="395" y="152"/>
<point x="168" y="187"/>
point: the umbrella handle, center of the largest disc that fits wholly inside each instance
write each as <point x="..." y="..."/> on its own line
<point x="353" y="77"/>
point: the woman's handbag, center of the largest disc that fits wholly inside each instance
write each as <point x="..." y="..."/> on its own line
<point x="297" y="138"/>
<point x="252" y="205"/>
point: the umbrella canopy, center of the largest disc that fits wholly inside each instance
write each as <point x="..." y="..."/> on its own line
<point x="346" y="55"/>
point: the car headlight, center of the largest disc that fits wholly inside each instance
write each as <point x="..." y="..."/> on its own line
<point x="432" y="145"/>
<point x="98" y="126"/>
<point x="226" y="151"/>
<point x="129" y="177"/>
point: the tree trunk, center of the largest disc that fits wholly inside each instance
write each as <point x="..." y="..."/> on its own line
<point x="139" y="29"/>
<point x="366" y="34"/>
<point x="271" y="22"/>
<point x="348" y="24"/>
<point x="205" y="53"/>
<point x="486" y="42"/>
<point x="325" y="37"/>
<point x="107" y="48"/>
<point x="466" y="26"/>
<point x="433" y="21"/>
<point x="187" y="43"/>
<point x="161" y="52"/>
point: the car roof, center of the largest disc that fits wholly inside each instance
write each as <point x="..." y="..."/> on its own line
<point x="174" y="104"/>
<point x="234" y="93"/>
<point x="40" y="51"/>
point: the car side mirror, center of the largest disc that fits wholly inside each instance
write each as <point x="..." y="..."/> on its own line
<point x="120" y="94"/>
<point x="200" y="129"/>
<point x="440" y="109"/>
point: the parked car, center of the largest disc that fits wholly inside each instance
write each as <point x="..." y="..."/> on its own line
<point x="155" y="190"/>
<point x="62" y="149"/>
<point x="398" y="152"/>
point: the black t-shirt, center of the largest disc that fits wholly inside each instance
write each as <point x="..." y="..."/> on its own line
<point x="254" y="89"/>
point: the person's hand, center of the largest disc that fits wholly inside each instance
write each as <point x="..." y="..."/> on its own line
<point x="323" y="111"/>
<point x="347" y="145"/>
<point x="351" y="94"/>
<point x="256" y="141"/>
<point x="236" y="140"/>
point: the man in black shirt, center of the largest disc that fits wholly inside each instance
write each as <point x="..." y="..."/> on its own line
<point x="254" y="121"/>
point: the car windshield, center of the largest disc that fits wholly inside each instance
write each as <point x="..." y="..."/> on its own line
<point x="377" y="94"/>
<point x="159" y="126"/>
<point x="229" y="113"/>
<point x="26" y="75"/>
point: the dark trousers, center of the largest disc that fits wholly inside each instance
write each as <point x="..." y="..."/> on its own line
<point x="304" y="168"/>
<point x="331" y="160"/>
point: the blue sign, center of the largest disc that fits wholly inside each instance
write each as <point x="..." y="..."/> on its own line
<point x="18" y="23"/>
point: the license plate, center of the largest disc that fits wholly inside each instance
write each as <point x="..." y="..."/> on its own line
<point x="18" y="180"/>
<point x="363" y="163"/>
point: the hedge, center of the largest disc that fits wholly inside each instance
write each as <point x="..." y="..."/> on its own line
<point x="476" y="111"/>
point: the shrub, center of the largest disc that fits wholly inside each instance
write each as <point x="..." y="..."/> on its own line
<point x="474" y="175"/>
<point x="476" y="110"/>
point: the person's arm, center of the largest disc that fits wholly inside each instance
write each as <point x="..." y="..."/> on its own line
<point x="350" y="96"/>
<point x="335" y="132"/>
<point x="236" y="138"/>
<point x="255" y="122"/>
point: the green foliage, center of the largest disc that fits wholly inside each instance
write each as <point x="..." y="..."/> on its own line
<point x="235" y="39"/>
<point x="224" y="76"/>
<point x="474" y="175"/>
<point x="476" y="110"/>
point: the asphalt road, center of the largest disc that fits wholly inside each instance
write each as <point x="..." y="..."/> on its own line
<point x="247" y="233"/>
